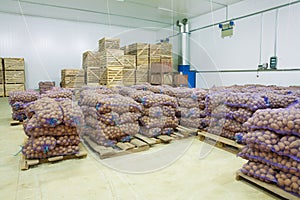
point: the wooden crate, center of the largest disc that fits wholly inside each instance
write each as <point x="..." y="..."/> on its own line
<point x="160" y="68"/>
<point x="129" y="77"/>
<point x="91" y="59"/>
<point x="161" y="79"/>
<point x="111" y="57"/>
<point x="111" y="76"/>
<point x="2" y="94"/>
<point x="141" y="76"/>
<point x="166" y="49"/>
<point x="14" y="64"/>
<point x="109" y="43"/>
<point x="160" y="49"/>
<point x="71" y="72"/>
<point x="13" y="87"/>
<point x="14" y="76"/>
<point x="139" y="49"/>
<point x="180" y="80"/>
<point x="92" y="75"/>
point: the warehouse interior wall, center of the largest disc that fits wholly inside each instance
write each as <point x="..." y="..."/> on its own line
<point x="49" y="45"/>
<point x="242" y="50"/>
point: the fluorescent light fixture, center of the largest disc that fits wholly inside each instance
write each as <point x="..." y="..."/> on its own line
<point x="120" y="0"/>
<point x="165" y="9"/>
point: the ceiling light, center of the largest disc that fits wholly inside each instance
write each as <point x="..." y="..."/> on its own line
<point x="120" y="0"/>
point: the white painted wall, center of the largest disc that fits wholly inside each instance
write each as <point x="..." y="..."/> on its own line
<point x="50" y="45"/>
<point x="241" y="51"/>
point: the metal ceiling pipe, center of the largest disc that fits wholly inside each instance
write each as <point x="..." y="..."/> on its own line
<point x="184" y="42"/>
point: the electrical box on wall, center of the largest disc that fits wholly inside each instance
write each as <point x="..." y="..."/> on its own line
<point x="227" y="29"/>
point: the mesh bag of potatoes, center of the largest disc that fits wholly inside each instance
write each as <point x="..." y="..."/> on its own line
<point x="198" y="123"/>
<point x="289" y="182"/>
<point x="282" y="163"/>
<point x="246" y="100"/>
<point x="57" y="93"/>
<point x="118" y="104"/>
<point x="263" y="139"/>
<point x="283" y="121"/>
<point x="274" y="100"/>
<point x="23" y="97"/>
<point x="150" y="132"/>
<point x="158" y="100"/>
<point x="101" y="139"/>
<point x="288" y="146"/>
<point x="259" y="171"/>
<point x="48" y="112"/>
<point x="48" y="146"/>
<point x="191" y="113"/>
<point x="188" y="103"/>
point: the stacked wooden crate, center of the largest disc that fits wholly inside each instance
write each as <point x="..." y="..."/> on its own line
<point x="91" y="67"/>
<point x="161" y="64"/>
<point x="72" y="78"/>
<point x="1" y="79"/>
<point x="115" y="67"/>
<point x="14" y="75"/>
<point x="141" y="51"/>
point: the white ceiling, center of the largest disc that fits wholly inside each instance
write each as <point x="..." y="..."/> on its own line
<point x="128" y="13"/>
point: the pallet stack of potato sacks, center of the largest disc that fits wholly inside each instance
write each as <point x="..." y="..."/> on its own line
<point x="191" y="110"/>
<point x="52" y="127"/>
<point x="273" y="141"/>
<point x="109" y="117"/>
<point x="19" y="101"/>
<point x="44" y="86"/>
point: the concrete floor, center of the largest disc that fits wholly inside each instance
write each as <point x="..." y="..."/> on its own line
<point x="188" y="177"/>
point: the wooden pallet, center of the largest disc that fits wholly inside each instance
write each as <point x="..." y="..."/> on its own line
<point x="109" y="43"/>
<point x="27" y="163"/>
<point x="123" y="148"/>
<point x="221" y="142"/>
<point x="271" y="188"/>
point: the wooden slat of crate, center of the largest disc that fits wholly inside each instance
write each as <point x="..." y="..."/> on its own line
<point x="166" y="60"/>
<point x="109" y="43"/>
<point x="13" y="87"/>
<point x="161" y="78"/>
<point x="111" y="57"/>
<point x="139" y="49"/>
<point x="142" y="76"/>
<point x="128" y="77"/>
<point x="2" y="90"/>
<point x="14" y="76"/>
<point x="154" y="59"/>
<point x="14" y="64"/>
<point x="166" y="49"/>
<point x="1" y="77"/>
<point x="142" y="60"/>
<point x="72" y="72"/>
<point x="155" y="50"/>
<point x="91" y="59"/>
<point x="92" y="75"/>
<point x="111" y="76"/>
